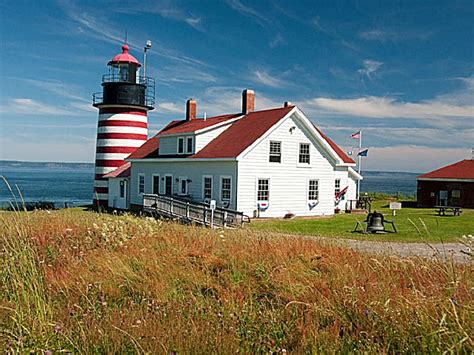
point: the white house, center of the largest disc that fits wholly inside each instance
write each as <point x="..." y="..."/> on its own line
<point x="264" y="163"/>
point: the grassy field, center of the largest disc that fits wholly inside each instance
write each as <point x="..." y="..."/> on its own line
<point x="80" y="281"/>
<point x="413" y="225"/>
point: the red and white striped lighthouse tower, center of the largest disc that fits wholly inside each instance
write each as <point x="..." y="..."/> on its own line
<point x="123" y="105"/>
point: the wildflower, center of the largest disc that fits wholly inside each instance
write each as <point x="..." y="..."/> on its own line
<point x="57" y="328"/>
<point x="366" y="312"/>
<point x="454" y="301"/>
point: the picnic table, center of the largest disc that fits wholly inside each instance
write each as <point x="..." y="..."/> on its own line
<point x="442" y="210"/>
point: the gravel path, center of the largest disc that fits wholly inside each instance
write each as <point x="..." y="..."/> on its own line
<point x="438" y="250"/>
<point x="431" y="251"/>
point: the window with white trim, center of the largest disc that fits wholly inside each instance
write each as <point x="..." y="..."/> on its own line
<point x="183" y="186"/>
<point x="304" y="153"/>
<point x="180" y="145"/>
<point x="313" y="190"/>
<point x="122" y="188"/>
<point x="263" y="189"/>
<point x="141" y="183"/>
<point x="337" y="186"/>
<point x="275" y="152"/>
<point x="156" y="184"/>
<point x="225" y="188"/>
<point x="189" y="145"/>
<point x="207" y="187"/>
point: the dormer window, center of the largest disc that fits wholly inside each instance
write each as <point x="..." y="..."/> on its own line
<point x="189" y="145"/>
<point x="180" y="145"/>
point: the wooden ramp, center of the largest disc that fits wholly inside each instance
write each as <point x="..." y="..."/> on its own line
<point x="192" y="212"/>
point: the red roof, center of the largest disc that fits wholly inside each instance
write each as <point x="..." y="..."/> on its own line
<point x="233" y="141"/>
<point x="149" y="149"/>
<point x="460" y="170"/>
<point x="239" y="136"/>
<point x="122" y="171"/>
<point x="183" y="126"/>
<point x="124" y="57"/>
<point x="335" y="147"/>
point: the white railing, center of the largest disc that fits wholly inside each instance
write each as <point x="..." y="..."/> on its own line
<point x="193" y="211"/>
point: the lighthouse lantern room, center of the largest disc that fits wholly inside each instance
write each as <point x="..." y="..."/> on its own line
<point x="123" y="105"/>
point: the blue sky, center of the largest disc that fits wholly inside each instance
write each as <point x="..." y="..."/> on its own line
<point x="402" y="71"/>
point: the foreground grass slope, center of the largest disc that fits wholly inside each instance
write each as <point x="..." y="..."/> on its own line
<point x="86" y="282"/>
<point x="413" y="224"/>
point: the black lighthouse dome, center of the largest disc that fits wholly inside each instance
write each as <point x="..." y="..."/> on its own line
<point x="123" y="85"/>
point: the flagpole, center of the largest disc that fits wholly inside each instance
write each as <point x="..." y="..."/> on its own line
<point x="358" y="163"/>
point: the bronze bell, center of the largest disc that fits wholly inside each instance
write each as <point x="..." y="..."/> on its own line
<point x="375" y="222"/>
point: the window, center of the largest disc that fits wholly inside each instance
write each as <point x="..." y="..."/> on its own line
<point x="183" y="186"/>
<point x="189" y="145"/>
<point x="313" y="190"/>
<point x="263" y="191"/>
<point x="122" y="188"/>
<point x="141" y="183"/>
<point x="275" y="152"/>
<point x="456" y="193"/>
<point x="168" y="185"/>
<point x="337" y="186"/>
<point x="304" y="153"/>
<point x="207" y="187"/>
<point x="156" y="184"/>
<point x="180" y="145"/>
<point x="225" y="188"/>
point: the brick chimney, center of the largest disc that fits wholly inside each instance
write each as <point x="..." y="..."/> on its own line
<point x="190" y="109"/>
<point x="248" y="101"/>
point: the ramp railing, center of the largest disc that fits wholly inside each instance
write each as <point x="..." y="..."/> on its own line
<point x="192" y="211"/>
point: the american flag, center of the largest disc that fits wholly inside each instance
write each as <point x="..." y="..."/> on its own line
<point x="355" y="135"/>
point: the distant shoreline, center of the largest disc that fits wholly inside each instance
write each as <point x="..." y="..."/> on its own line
<point x="53" y="164"/>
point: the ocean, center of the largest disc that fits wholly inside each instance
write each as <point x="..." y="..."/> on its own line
<point x="72" y="183"/>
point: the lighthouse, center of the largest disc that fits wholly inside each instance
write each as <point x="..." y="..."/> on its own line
<point x="123" y="105"/>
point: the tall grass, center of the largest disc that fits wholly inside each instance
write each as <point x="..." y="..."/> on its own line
<point x="88" y="282"/>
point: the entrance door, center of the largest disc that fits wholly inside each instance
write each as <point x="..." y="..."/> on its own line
<point x="123" y="194"/>
<point x="443" y="198"/>
<point x="168" y="185"/>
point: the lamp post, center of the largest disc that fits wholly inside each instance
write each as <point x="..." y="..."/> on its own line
<point x="147" y="47"/>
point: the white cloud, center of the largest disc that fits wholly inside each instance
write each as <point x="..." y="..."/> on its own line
<point x="184" y="73"/>
<point x="33" y="107"/>
<point x="386" y="35"/>
<point x="276" y="41"/>
<point x="221" y="100"/>
<point x="69" y="91"/>
<point x="38" y="108"/>
<point x="412" y="158"/>
<point x="370" y="67"/>
<point x="250" y="12"/>
<point x="163" y="8"/>
<point x="262" y="77"/>
<point x="171" y="107"/>
<point x="86" y="24"/>
<point x="386" y="107"/>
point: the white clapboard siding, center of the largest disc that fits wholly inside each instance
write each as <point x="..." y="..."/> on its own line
<point x="168" y="145"/>
<point x="288" y="180"/>
<point x="346" y="181"/>
<point x="193" y="170"/>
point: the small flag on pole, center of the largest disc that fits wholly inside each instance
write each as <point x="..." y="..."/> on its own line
<point x="340" y="195"/>
<point x="355" y="135"/>
<point x="363" y="153"/>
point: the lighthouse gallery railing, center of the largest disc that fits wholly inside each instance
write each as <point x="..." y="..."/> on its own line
<point x="193" y="211"/>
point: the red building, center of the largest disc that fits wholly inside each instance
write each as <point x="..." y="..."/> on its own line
<point x="452" y="185"/>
